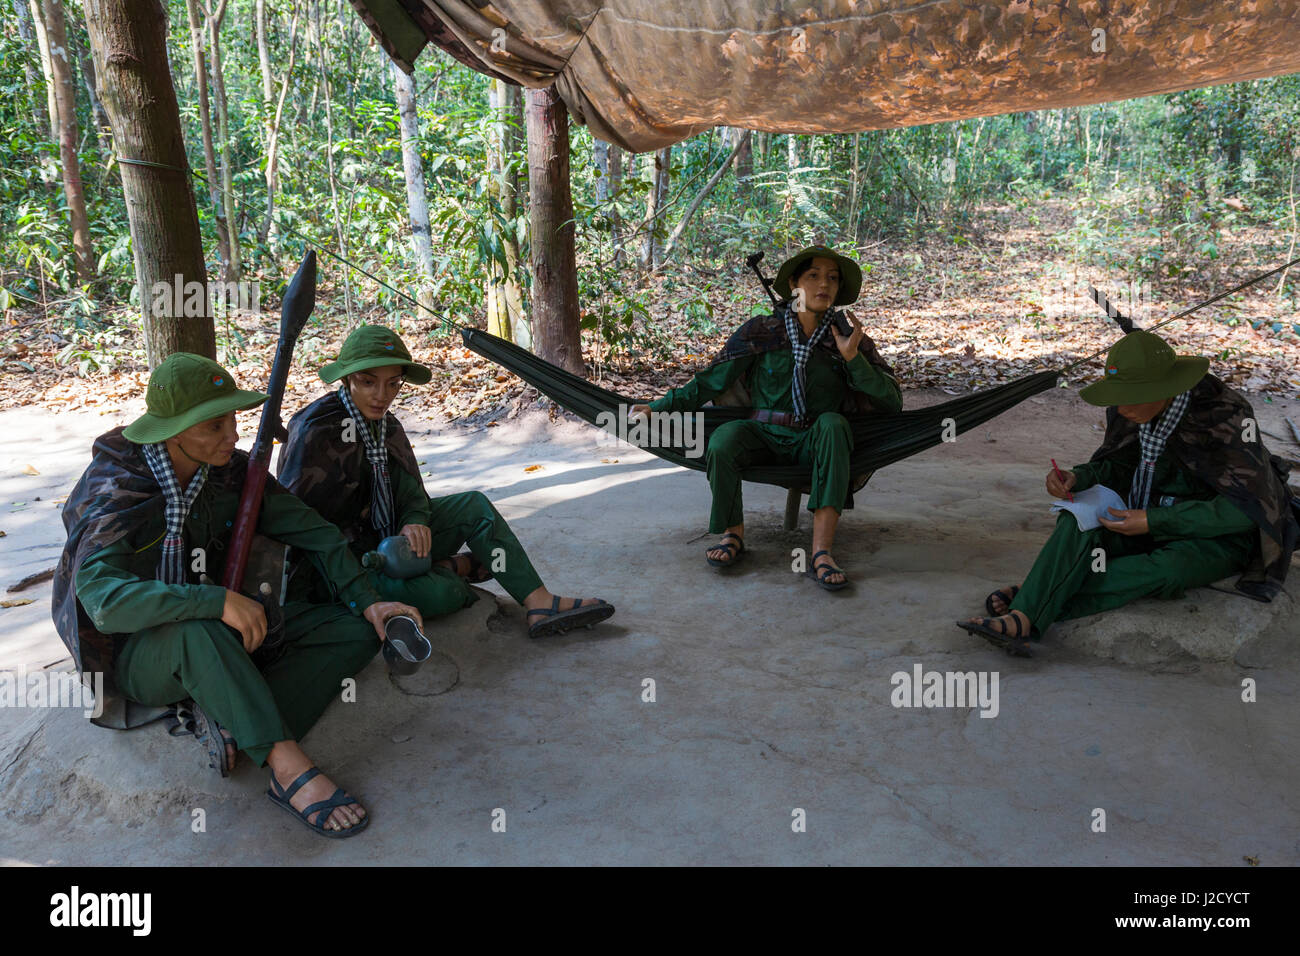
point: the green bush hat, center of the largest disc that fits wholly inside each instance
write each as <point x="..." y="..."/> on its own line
<point x="186" y="389"/>
<point x="850" y="274"/>
<point x="1141" y="368"/>
<point x="374" y="346"/>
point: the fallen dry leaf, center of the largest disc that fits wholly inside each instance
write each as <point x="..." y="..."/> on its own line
<point x="29" y="470"/>
<point x="534" y="468"/>
<point x="18" y="603"/>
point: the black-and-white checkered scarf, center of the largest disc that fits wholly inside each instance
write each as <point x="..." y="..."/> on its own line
<point x="171" y="566"/>
<point x="1152" y="437"/>
<point x="802" y="350"/>
<point x="381" y="501"/>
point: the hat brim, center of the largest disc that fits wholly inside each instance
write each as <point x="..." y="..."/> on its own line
<point x="1186" y="371"/>
<point x="850" y="275"/>
<point x="150" y="428"/>
<point x="413" y="372"/>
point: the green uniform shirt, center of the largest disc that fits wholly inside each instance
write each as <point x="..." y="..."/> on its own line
<point x="1199" y="512"/>
<point x="410" y="500"/>
<point x="118" y="589"/>
<point x="771" y="381"/>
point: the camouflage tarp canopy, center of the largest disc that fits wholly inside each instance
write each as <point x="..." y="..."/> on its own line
<point x="646" y="73"/>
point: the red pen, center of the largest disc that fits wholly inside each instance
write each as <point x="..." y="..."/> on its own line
<point x="1061" y="477"/>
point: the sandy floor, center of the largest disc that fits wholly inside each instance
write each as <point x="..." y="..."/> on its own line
<point x="772" y="699"/>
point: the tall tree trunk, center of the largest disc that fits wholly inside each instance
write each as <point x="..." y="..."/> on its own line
<point x="264" y="58"/>
<point x="498" y="316"/>
<point x="854" y="188"/>
<point x="225" y="153"/>
<point x="31" y="48"/>
<point x="65" y="90"/>
<point x="616" y="184"/>
<point x="267" y="232"/>
<point x="505" y="298"/>
<point x="555" y="271"/>
<point x="665" y="176"/>
<point x="600" y="153"/>
<point x="657" y="172"/>
<point x="417" y="200"/>
<point x="512" y="138"/>
<point x="100" y="119"/>
<point x="197" y="44"/>
<point x="129" y="40"/>
<point x="47" y="68"/>
<point x="324" y="88"/>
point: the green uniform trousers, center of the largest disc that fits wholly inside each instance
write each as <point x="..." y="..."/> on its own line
<point x="469" y="519"/>
<point x="733" y="447"/>
<point x="1062" y="585"/>
<point x="205" y="660"/>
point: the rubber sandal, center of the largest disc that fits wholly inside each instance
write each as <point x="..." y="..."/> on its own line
<point x="555" y="621"/>
<point x="822" y="576"/>
<point x="179" y="719"/>
<point x="209" y="733"/>
<point x="733" y="552"/>
<point x="1006" y="599"/>
<point x="1014" y="644"/>
<point x="339" y="799"/>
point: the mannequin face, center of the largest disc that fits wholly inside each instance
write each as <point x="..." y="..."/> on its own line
<point x="1140" y="414"/>
<point x="820" y="284"/>
<point x="374" y="389"/>
<point x="208" y="443"/>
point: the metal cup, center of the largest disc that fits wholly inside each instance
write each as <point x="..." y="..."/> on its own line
<point x="405" y="646"/>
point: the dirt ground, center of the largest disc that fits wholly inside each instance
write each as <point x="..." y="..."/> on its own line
<point x="772" y="736"/>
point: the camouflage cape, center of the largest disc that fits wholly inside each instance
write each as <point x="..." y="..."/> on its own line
<point x="116" y="495"/>
<point x="766" y="333"/>
<point x="1208" y="442"/>
<point x="332" y="475"/>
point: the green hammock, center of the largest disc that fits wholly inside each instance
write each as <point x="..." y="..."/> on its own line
<point x="878" y="440"/>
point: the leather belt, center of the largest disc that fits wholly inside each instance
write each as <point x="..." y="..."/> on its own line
<point x="769" y="417"/>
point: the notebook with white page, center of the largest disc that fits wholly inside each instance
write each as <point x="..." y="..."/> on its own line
<point x="1090" y="504"/>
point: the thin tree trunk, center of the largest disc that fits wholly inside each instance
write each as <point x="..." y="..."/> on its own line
<point x="703" y="193"/>
<point x="98" y="116"/>
<point x="511" y="138"/>
<point x="329" y="154"/>
<point x="417" y="200"/>
<point x="555" y="272"/>
<point x="505" y="298"/>
<point x="601" y="151"/>
<point x="47" y="68"/>
<point x="854" y="189"/>
<point x="225" y="153"/>
<point x="205" y="127"/>
<point x="128" y="39"/>
<point x="263" y="58"/>
<point x="615" y="185"/>
<point x="66" y="97"/>
<point x="35" y="83"/>
<point x="657" y="173"/>
<point x="1281" y="282"/>
<point x="498" y="316"/>
<point x="267" y="233"/>
<point x="664" y="173"/>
